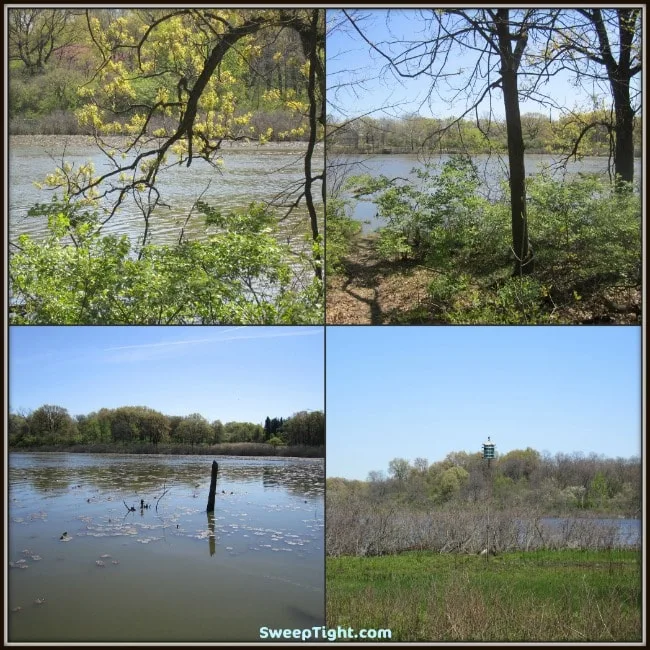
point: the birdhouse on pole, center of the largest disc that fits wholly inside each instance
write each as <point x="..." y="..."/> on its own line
<point x="488" y="454"/>
<point x="488" y="450"/>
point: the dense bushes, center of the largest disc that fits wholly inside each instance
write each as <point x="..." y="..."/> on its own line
<point x="443" y="506"/>
<point x="355" y="527"/>
<point x="586" y="238"/>
<point x="587" y="232"/>
<point x="241" y="274"/>
<point x="340" y="233"/>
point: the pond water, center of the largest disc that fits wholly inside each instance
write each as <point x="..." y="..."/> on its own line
<point x="249" y="173"/>
<point x="84" y="568"/>
<point x="618" y="533"/>
<point x="492" y="170"/>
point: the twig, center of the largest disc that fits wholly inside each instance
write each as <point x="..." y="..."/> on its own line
<point x="180" y="238"/>
<point x="161" y="496"/>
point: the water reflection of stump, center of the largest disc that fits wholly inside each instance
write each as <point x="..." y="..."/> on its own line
<point x="211" y="537"/>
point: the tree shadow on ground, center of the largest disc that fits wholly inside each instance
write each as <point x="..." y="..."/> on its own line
<point x="374" y="291"/>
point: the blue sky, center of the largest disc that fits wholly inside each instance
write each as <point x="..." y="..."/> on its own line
<point x="349" y="59"/>
<point x="408" y="392"/>
<point x="226" y="373"/>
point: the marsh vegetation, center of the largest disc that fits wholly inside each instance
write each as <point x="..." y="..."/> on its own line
<point x="537" y="596"/>
<point x="538" y="549"/>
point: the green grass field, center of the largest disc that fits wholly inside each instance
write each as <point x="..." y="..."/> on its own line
<point x="525" y="596"/>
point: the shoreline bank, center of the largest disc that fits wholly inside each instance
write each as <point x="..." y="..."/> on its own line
<point x="224" y="449"/>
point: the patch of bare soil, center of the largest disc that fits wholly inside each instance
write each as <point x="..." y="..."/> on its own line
<point x="373" y="291"/>
<point x="615" y="306"/>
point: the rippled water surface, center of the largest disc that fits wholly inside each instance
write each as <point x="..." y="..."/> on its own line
<point x="82" y="567"/>
<point x="248" y="173"/>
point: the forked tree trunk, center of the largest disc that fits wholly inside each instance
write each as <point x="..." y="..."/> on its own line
<point x="619" y="75"/>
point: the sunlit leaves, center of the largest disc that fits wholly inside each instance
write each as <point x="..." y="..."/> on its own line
<point x="175" y="84"/>
<point x="91" y="115"/>
<point x="588" y="228"/>
<point x="241" y="274"/>
<point x="341" y="230"/>
<point x="419" y="214"/>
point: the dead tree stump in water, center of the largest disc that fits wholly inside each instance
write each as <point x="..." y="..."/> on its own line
<point x="213" y="486"/>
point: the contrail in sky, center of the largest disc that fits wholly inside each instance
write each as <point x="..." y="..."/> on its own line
<point x="276" y="332"/>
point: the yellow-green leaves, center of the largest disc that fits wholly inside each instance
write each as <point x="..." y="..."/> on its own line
<point x="92" y="115"/>
<point x="241" y="274"/>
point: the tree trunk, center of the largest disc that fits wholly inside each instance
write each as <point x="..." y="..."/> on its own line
<point x="624" y="147"/>
<point x="619" y="75"/>
<point x="312" y="40"/>
<point x="509" y="64"/>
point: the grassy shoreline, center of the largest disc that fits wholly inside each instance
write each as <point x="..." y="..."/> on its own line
<point x="563" y="595"/>
<point x="230" y="146"/>
<point x="222" y="449"/>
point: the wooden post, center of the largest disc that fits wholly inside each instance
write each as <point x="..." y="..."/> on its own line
<point x="213" y="486"/>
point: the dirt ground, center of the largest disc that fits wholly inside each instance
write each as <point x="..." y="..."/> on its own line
<point x="372" y="291"/>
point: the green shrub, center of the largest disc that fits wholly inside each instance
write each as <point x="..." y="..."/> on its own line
<point x="437" y="213"/>
<point x="586" y="236"/>
<point x="340" y="233"/>
<point x="241" y="274"/>
<point x="393" y="244"/>
<point x="445" y="287"/>
<point x="586" y="231"/>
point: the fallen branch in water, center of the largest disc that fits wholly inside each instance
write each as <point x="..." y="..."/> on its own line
<point x="132" y="509"/>
<point x="165" y="490"/>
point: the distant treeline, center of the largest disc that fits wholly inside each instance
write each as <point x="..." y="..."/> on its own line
<point x="414" y="133"/>
<point x="144" y="430"/>
<point x="460" y="505"/>
<point x="53" y="56"/>
<point x="522" y="477"/>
